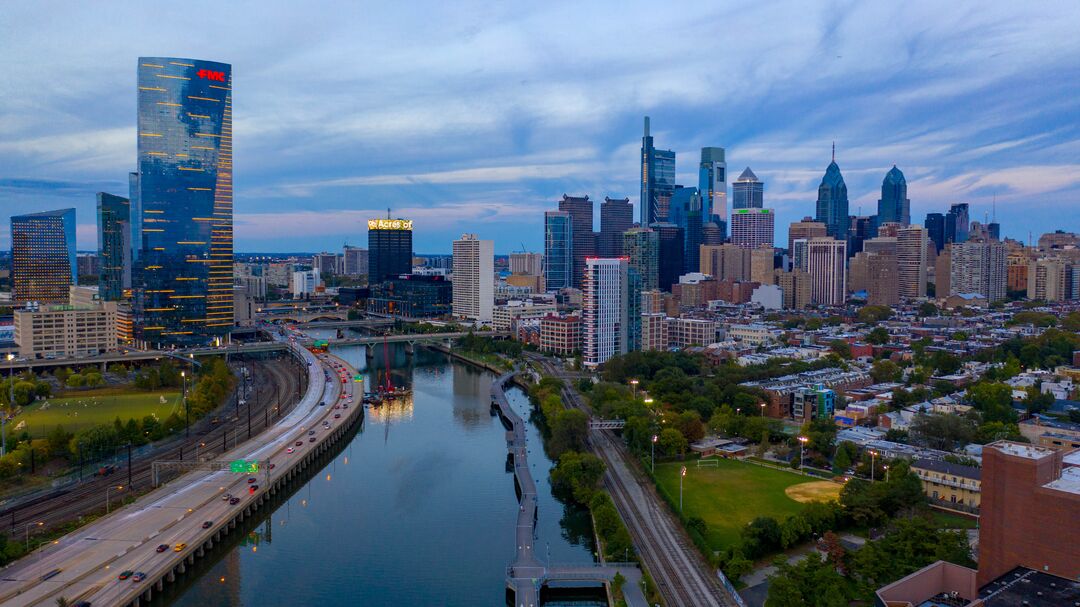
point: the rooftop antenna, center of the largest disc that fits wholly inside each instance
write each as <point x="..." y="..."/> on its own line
<point x="993" y="216"/>
<point x="834" y="151"/>
<point x="388" y="212"/>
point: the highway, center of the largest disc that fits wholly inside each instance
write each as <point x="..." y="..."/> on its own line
<point x="89" y="560"/>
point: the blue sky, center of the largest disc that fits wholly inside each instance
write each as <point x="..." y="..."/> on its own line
<point x="477" y="117"/>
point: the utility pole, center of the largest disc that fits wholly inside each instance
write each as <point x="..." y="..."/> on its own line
<point x="129" y="464"/>
<point x="187" y="410"/>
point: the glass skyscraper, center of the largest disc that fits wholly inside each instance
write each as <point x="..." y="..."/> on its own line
<point x="657" y="180"/>
<point x="43" y="256"/>
<point x="181" y="205"/>
<point x="114" y="245"/>
<point x="671" y="249"/>
<point x="712" y="185"/>
<point x="832" y="202"/>
<point x="935" y="230"/>
<point x="894" y="206"/>
<point x="389" y="249"/>
<point x="956" y="223"/>
<point x="641" y="246"/>
<point x="686" y="212"/>
<point x="748" y="192"/>
<point x="583" y="243"/>
<point x="616" y="217"/>
<point x="558" y="250"/>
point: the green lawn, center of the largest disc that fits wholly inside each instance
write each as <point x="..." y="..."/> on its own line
<point x="947" y="520"/>
<point x="77" y="410"/>
<point x="730" y="495"/>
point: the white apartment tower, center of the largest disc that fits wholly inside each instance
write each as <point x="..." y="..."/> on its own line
<point x="604" y="309"/>
<point x="752" y="228"/>
<point x="474" y="278"/>
<point x="978" y="267"/>
<point x="826" y="260"/>
<point x="911" y="260"/>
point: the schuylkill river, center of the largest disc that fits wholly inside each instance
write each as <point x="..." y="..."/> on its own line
<point x="417" y="510"/>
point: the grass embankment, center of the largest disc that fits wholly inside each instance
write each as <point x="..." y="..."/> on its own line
<point x="84" y="409"/>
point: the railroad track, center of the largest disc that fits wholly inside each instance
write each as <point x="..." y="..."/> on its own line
<point x="274" y="382"/>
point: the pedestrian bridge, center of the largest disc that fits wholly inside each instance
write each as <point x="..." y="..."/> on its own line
<point x="607" y="424"/>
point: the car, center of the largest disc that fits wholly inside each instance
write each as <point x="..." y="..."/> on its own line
<point x="234" y="501"/>
<point x="337" y="406"/>
<point x="337" y="416"/>
<point x="322" y="404"/>
<point x="138" y="577"/>
<point x="226" y="497"/>
<point x="271" y="466"/>
<point x="251" y="479"/>
<point x="345" y="406"/>
<point x="311" y="433"/>
<point x="254" y="488"/>
<point x="179" y="547"/>
<point x="207" y="524"/>
<point x="162" y="547"/>
<point x="311" y="440"/>
<point x="290" y="450"/>
<point x="125" y="574"/>
<point x="299" y="443"/>
<point x="82" y="604"/>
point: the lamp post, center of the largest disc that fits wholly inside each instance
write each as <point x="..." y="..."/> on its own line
<point x="654" y="439"/>
<point x="107" y="489"/>
<point x="28" y="526"/>
<point x="633" y="385"/>
<point x="187" y="415"/>
<point x="682" y="475"/>
<point x="873" y="454"/>
<point x="11" y="405"/>
<point x="886" y="473"/>
<point x="762" y="409"/>
<point x="802" y="446"/>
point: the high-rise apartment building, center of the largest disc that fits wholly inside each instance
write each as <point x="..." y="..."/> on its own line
<point x="182" y="203"/>
<point x="390" y="248"/>
<point x="795" y="286"/>
<point x="761" y="265"/>
<point x="1047" y="279"/>
<point x="807" y="229"/>
<point x="43" y="265"/>
<point x="894" y="204"/>
<point x="355" y="261"/>
<point x="114" y="245"/>
<point x="558" y="250"/>
<point x="685" y="212"/>
<point x="604" y="313"/>
<point x="832" y="202"/>
<point x="583" y="243"/>
<point x="911" y="245"/>
<point x="527" y="263"/>
<point x="752" y="228"/>
<point x="327" y="263"/>
<point x="826" y="265"/>
<point x="747" y="192"/>
<point x="616" y="217"/>
<point x="978" y="267"/>
<point x="657" y="180"/>
<point x="798" y="252"/>
<point x="641" y="247"/>
<point x="726" y="262"/>
<point x="935" y="230"/>
<point x="474" y="278"/>
<point x="712" y="185"/>
<point x="670" y="260"/>
<point x="878" y="274"/>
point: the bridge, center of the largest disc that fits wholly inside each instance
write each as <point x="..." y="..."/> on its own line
<point x="607" y="424"/>
<point x="365" y="323"/>
<point x="409" y="338"/>
<point x="527" y="574"/>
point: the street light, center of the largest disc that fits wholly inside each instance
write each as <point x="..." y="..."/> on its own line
<point x="633" y="384"/>
<point x="873" y="454"/>
<point x="654" y="439"/>
<point x="28" y="526"/>
<point x="11" y="405"/>
<point x="762" y="409"/>
<point x="802" y="446"/>
<point x="886" y="473"/>
<point x="107" y="489"/>
<point x="187" y="415"/>
<point x="682" y="475"/>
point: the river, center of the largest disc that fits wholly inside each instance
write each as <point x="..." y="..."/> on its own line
<point x="417" y="510"/>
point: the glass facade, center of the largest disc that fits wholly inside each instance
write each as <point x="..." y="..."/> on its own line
<point x="583" y="242"/>
<point x="686" y="212"/>
<point x="412" y="295"/>
<point x="389" y="249"/>
<point x="558" y="250"/>
<point x="641" y="246"/>
<point x="616" y="217"/>
<point x="832" y="203"/>
<point x="657" y="180"/>
<point x="43" y="256"/>
<point x="712" y="185"/>
<point x="956" y="223"/>
<point x="747" y="192"/>
<point x="894" y="206"/>
<point x="935" y="230"/>
<point x="181" y="209"/>
<point x="670" y="257"/>
<point x="114" y="245"/>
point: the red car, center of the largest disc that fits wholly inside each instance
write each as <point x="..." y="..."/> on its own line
<point x="299" y="443"/>
<point x="337" y="416"/>
<point x="162" y="547"/>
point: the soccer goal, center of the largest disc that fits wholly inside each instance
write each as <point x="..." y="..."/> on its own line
<point x="708" y="463"/>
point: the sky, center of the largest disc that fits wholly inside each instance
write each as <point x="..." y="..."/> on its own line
<point x="477" y="116"/>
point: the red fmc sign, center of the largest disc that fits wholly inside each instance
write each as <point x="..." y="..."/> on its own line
<point x="212" y="75"/>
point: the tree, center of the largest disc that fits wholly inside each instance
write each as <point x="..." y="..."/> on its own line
<point x="760" y="537"/>
<point x="810" y="582"/>
<point x="569" y="430"/>
<point x="994" y="400"/>
<point x="943" y="430"/>
<point x="58" y="440"/>
<point x="873" y="313"/>
<point x="945" y="363"/>
<point x="878" y="336"/>
<point x="841" y="348"/>
<point x="689" y="424"/>
<point x="672" y="442"/>
<point x="909" y="545"/>
<point x="577" y="475"/>
<point x="1037" y="401"/>
<point x="846" y="454"/>
<point x="928" y="309"/>
<point x="885" y="370"/>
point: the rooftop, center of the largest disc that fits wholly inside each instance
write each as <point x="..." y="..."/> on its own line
<point x="949" y="468"/>
<point x="1022" y="450"/>
<point x="1027" y="587"/>
<point x="1069" y="481"/>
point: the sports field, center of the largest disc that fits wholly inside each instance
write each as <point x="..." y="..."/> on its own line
<point x="729" y="495"/>
<point x="77" y="410"/>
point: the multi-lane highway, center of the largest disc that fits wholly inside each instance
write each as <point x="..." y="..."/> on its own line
<point x="165" y="531"/>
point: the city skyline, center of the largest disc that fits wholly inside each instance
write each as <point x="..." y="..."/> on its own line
<point x="972" y="113"/>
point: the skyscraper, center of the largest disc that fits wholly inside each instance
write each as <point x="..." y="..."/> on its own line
<point x="114" y="245"/>
<point x="527" y="263"/>
<point x="657" y="180"/>
<point x="616" y="217"/>
<point x="712" y="185"/>
<point x="957" y="223"/>
<point x="894" y="205"/>
<point x="861" y="227"/>
<point x="558" y="250"/>
<point x="826" y="264"/>
<point x="355" y="261"/>
<point x="978" y="267"/>
<point x="474" y="278"/>
<point x="752" y="228"/>
<point x="747" y="192"/>
<point x="604" y="312"/>
<point x="832" y="202"/>
<point x="390" y="249"/>
<point x="181" y="210"/>
<point x="583" y="244"/>
<point x="911" y="260"/>
<point x="641" y="247"/>
<point x="935" y="230"/>
<point x="685" y="212"/>
<point x="670" y="259"/>
<point x="805" y="229"/>
<point x="43" y="256"/>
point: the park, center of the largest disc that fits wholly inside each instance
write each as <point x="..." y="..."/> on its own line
<point x="78" y="410"/>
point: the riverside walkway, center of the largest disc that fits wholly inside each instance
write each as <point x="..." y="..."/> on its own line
<point x="527" y="574"/>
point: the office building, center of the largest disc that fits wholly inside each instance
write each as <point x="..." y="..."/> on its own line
<point x="87" y="264"/>
<point x="747" y="192"/>
<point x="805" y="229"/>
<point x="67" y="330"/>
<point x="977" y="267"/>
<point x="1047" y="279"/>
<point x="641" y="247"/>
<point x="957" y="223"/>
<point x="43" y="265"/>
<point x="114" y="245"/>
<point x="654" y="331"/>
<point x="657" y="180"/>
<point x="616" y="217"/>
<point x="795" y="286"/>
<point x="827" y="267"/>
<point x="687" y="332"/>
<point x="685" y="212"/>
<point x="355" y="261"/>
<point x="327" y="263"/>
<point x="911" y="245"/>
<point x="182" y="203"/>
<point x="506" y="317"/>
<point x="894" y="206"/>
<point x="714" y="233"/>
<point x="726" y="262"/>
<point x="752" y="228"/>
<point x="761" y="265"/>
<point x="712" y="185"/>
<point x="878" y="274"/>
<point x="604" y="311"/>
<point x="474" y="278"/>
<point x="583" y="243"/>
<point x="527" y="263"/>
<point x="560" y="335"/>
<point x="558" y="250"/>
<point x="935" y="230"/>
<point x="412" y="296"/>
<point x="832" y="202"/>
<point x="861" y="228"/>
<point x="390" y="248"/>
<point x="670" y="258"/>
<point x="305" y="283"/>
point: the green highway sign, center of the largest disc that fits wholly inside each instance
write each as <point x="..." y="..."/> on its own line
<point x="243" y="466"/>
